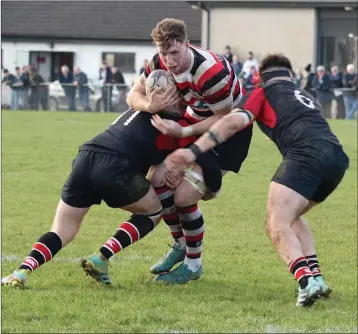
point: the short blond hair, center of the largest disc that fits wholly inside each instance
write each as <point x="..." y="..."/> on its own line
<point x="167" y="31"/>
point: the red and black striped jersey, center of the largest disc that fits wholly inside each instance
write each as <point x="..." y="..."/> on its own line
<point x="209" y="84"/>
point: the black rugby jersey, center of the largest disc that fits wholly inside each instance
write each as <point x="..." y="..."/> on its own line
<point x="290" y="117"/>
<point x="133" y="136"/>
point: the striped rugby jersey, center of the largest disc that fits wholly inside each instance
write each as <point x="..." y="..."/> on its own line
<point x="209" y="84"/>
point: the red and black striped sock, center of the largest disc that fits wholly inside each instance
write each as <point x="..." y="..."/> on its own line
<point x="170" y="214"/>
<point x="300" y="270"/>
<point x="43" y="251"/>
<point x="314" y="265"/>
<point x="137" y="227"/>
<point x="193" y="228"/>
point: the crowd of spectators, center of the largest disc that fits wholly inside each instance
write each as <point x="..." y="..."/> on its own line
<point x="29" y="90"/>
<point x="336" y="90"/>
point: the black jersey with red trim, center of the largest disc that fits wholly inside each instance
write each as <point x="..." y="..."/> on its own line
<point x="290" y="117"/>
<point x="209" y="84"/>
<point x="133" y="136"/>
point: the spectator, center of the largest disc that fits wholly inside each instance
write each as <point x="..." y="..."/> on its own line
<point x="309" y="80"/>
<point x="298" y="77"/>
<point x="39" y="90"/>
<point x="105" y="77"/>
<point x="236" y="65"/>
<point x="117" y="78"/>
<point x="251" y="61"/>
<point x="228" y="54"/>
<point x="81" y="81"/>
<point x="66" y="80"/>
<point x="253" y="79"/>
<point x="322" y="84"/>
<point x="11" y="81"/>
<point x="24" y="91"/>
<point x="336" y="83"/>
<point x="350" y="97"/>
<point x="142" y="69"/>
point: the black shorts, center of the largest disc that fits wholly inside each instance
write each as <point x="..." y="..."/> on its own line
<point x="313" y="170"/>
<point x="101" y="176"/>
<point x="234" y="151"/>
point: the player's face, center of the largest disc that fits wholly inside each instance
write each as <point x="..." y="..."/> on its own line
<point x="176" y="57"/>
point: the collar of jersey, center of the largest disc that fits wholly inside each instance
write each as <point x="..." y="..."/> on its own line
<point x="185" y="73"/>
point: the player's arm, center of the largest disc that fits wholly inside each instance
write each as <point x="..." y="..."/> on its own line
<point x="203" y="126"/>
<point x="158" y="100"/>
<point x="249" y="109"/>
<point x="137" y="98"/>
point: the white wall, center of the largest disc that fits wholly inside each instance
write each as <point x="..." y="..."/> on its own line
<point x="264" y="30"/>
<point x="87" y="56"/>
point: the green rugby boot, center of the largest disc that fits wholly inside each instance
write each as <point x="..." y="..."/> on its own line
<point x="96" y="266"/>
<point x="180" y="275"/>
<point x="325" y="290"/>
<point x="175" y="255"/>
<point x="307" y="296"/>
<point x="17" y="279"/>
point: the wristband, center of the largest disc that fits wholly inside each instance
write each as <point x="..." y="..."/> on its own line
<point x="195" y="150"/>
<point x="187" y="131"/>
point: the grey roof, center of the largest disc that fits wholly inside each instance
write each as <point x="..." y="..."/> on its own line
<point x="112" y="20"/>
<point x="278" y="3"/>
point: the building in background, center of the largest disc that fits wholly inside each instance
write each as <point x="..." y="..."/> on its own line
<point x="50" y="34"/>
<point x="317" y="32"/>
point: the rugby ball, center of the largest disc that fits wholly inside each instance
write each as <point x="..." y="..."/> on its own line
<point x="159" y="78"/>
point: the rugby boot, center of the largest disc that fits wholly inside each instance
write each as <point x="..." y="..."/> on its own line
<point x="325" y="290"/>
<point x="307" y="296"/>
<point x="17" y="279"/>
<point x="180" y="275"/>
<point x="96" y="266"/>
<point x="175" y="255"/>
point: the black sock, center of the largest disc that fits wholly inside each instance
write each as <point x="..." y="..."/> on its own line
<point x="43" y="251"/>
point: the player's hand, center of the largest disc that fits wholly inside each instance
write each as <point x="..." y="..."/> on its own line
<point x="160" y="100"/>
<point x="167" y="127"/>
<point x="173" y="177"/>
<point x="181" y="157"/>
<point x="177" y="163"/>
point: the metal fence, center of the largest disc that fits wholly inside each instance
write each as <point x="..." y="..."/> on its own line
<point x="66" y="97"/>
<point x="107" y="98"/>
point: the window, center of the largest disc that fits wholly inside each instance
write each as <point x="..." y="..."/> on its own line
<point x="123" y="60"/>
<point x="339" y="50"/>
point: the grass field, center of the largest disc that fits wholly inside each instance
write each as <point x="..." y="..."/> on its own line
<point x="245" y="287"/>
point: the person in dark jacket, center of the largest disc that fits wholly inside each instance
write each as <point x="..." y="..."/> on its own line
<point x="118" y="78"/>
<point x="81" y="81"/>
<point x="228" y="54"/>
<point x="350" y="97"/>
<point x="66" y="80"/>
<point x="12" y="81"/>
<point x="322" y="84"/>
<point x="105" y="78"/>
<point x="309" y="80"/>
<point x="142" y="69"/>
<point x="39" y="92"/>
<point x="336" y="83"/>
<point x="24" y="91"/>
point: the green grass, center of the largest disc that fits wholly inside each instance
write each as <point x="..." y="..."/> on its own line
<point x="245" y="287"/>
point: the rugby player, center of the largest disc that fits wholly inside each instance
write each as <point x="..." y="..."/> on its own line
<point x="209" y="87"/>
<point x="111" y="167"/>
<point x="314" y="164"/>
